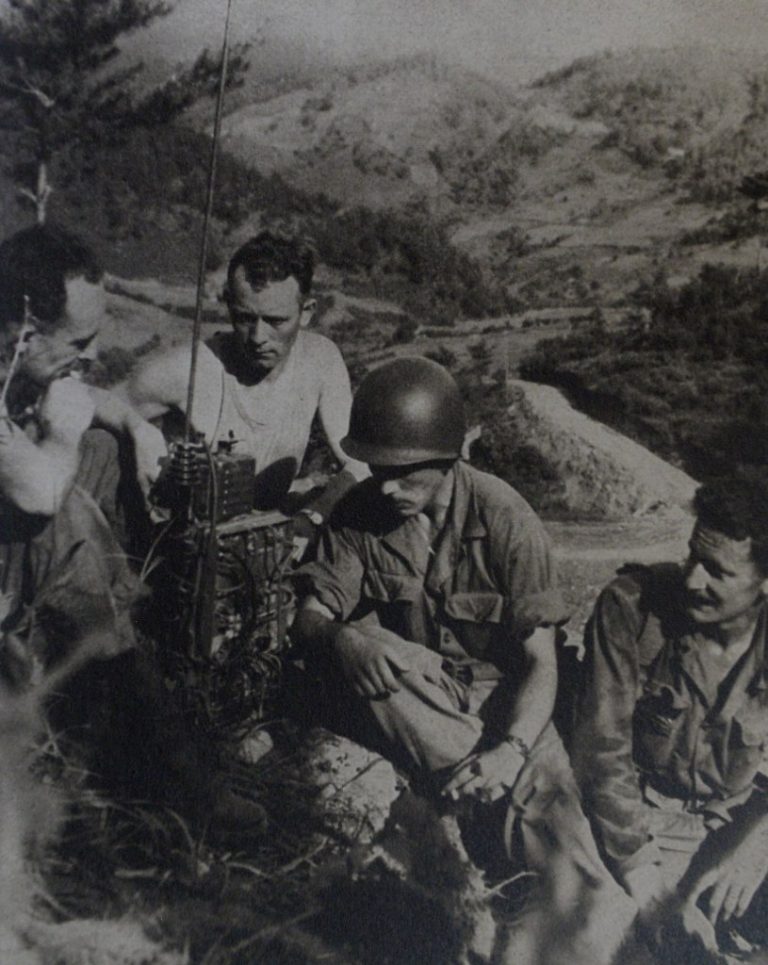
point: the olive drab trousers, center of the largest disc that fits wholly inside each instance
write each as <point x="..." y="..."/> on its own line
<point x="65" y="583"/>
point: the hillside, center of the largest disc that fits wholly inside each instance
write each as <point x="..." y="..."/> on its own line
<point x="456" y="218"/>
<point x="138" y="195"/>
<point x="570" y="191"/>
<point x="415" y="129"/>
<point x="392" y="134"/>
<point x="690" y="380"/>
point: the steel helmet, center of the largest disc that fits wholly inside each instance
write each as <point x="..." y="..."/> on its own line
<point x="406" y="411"/>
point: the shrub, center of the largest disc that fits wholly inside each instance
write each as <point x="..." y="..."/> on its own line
<point x="681" y="382"/>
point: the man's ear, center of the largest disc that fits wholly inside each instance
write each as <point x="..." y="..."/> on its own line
<point x="307" y="311"/>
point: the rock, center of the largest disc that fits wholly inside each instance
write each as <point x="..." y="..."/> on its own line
<point x="417" y="869"/>
<point x="89" y="941"/>
<point x="605" y="475"/>
<point x="357" y="786"/>
<point x="253" y="747"/>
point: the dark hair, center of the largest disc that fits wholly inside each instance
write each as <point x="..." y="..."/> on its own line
<point x="737" y="507"/>
<point x="37" y="262"/>
<point x="267" y="257"/>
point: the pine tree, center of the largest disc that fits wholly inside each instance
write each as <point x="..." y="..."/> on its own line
<point x="58" y="78"/>
<point x="62" y="82"/>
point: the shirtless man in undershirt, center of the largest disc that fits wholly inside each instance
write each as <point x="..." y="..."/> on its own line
<point x="261" y="384"/>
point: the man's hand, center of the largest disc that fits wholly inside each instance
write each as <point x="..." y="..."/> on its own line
<point x="372" y="658"/>
<point x="304" y="532"/>
<point x="66" y="410"/>
<point x="151" y="450"/>
<point x="486" y="776"/>
<point x="370" y="663"/>
<point x="646" y="885"/>
<point x="734" y="881"/>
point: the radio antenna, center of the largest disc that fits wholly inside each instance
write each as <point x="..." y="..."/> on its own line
<point x="22" y="344"/>
<point x="197" y="325"/>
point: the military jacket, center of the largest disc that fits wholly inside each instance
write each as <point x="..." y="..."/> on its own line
<point x="651" y="718"/>
<point x="483" y="585"/>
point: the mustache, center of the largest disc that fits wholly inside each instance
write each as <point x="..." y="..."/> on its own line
<point x="693" y="599"/>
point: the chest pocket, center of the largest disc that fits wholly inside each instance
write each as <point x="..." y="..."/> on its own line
<point x="395" y="598"/>
<point x="751" y="726"/>
<point x="746" y="745"/>
<point x="660" y="715"/>
<point x="476" y="621"/>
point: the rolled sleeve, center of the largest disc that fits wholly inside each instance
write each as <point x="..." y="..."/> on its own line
<point x="335" y="577"/>
<point x="534" y="598"/>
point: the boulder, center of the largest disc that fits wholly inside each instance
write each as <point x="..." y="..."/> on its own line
<point x="605" y="475"/>
<point x="356" y="786"/>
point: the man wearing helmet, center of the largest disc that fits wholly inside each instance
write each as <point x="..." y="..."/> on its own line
<point x="433" y="607"/>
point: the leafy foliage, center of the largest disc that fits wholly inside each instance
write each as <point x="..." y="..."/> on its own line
<point x="145" y="188"/>
<point x="57" y="73"/>
<point x="61" y="82"/>
<point x="699" y="113"/>
<point x="691" y="383"/>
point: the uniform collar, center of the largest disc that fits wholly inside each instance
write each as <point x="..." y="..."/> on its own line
<point x="753" y="672"/>
<point x="465" y="516"/>
<point x="462" y="522"/>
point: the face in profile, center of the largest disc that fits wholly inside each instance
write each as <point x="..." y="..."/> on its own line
<point x="722" y="580"/>
<point x="52" y="354"/>
<point x="410" y="490"/>
<point x="267" y="320"/>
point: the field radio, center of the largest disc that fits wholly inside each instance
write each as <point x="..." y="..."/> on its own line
<point x="224" y="601"/>
<point x="221" y="591"/>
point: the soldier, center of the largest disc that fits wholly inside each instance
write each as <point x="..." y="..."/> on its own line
<point x="66" y="589"/>
<point x="673" y="721"/>
<point x="63" y="578"/>
<point x="261" y="384"/>
<point x="432" y="611"/>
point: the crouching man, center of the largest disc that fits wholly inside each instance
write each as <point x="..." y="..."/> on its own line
<point x="63" y="578"/>
<point x="258" y="386"/>
<point x="66" y="589"/>
<point x="673" y="722"/>
<point x="432" y="609"/>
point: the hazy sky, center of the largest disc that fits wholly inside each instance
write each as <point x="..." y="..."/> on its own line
<point x="511" y="39"/>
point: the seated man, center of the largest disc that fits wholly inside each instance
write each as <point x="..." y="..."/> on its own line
<point x="432" y="609"/>
<point x="260" y="385"/>
<point x="673" y="719"/>
<point x="63" y="578"/>
<point x="66" y="590"/>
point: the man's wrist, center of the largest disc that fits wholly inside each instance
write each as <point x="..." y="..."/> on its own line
<point x="519" y="745"/>
<point x="313" y="515"/>
<point x="645" y="884"/>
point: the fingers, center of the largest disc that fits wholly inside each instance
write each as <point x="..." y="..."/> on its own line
<point x="706" y="881"/>
<point x="497" y="791"/>
<point x="744" y="899"/>
<point x="696" y="925"/>
<point x="738" y="898"/>
<point x="731" y="895"/>
<point x="375" y="680"/>
<point x="467" y="773"/>
<point x="720" y="900"/>
<point x="471" y="778"/>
